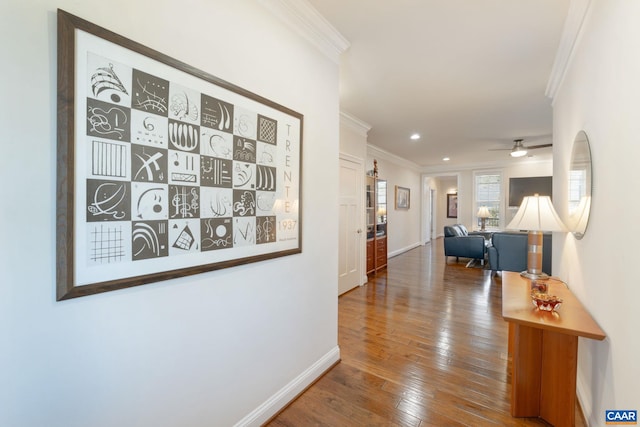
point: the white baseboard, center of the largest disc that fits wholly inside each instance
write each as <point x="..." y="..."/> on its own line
<point x="278" y="401"/>
<point x="403" y="250"/>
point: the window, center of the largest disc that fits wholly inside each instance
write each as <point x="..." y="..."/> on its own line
<point x="489" y="194"/>
<point x="577" y="187"/>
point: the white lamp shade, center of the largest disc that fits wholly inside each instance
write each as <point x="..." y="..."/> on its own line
<point x="483" y="212"/>
<point x="536" y="213"/>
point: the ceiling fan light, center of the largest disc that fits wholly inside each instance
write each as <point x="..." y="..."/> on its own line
<point x="518" y="149"/>
<point x="518" y="152"/>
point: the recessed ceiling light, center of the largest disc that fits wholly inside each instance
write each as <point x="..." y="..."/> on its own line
<point x="415" y="136"/>
<point x="445" y="159"/>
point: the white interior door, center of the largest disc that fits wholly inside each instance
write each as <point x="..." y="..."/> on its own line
<point x="350" y="251"/>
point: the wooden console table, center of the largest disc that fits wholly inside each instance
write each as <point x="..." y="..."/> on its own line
<point x="543" y="349"/>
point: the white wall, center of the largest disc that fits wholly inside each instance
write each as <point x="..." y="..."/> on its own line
<point x="197" y="351"/>
<point x="600" y="95"/>
<point x="353" y="138"/>
<point x="403" y="226"/>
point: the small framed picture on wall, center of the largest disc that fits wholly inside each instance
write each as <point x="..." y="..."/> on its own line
<point x="403" y="197"/>
<point x="452" y="205"/>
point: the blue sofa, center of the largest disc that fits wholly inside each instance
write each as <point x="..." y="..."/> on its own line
<point x="508" y="251"/>
<point x="458" y="242"/>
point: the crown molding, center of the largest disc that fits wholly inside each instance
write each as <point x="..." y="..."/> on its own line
<point x="379" y="153"/>
<point x="501" y="164"/>
<point x="305" y="20"/>
<point x="374" y="151"/>
<point x="573" y="25"/>
<point x="360" y="127"/>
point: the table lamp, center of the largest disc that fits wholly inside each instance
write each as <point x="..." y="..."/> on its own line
<point x="483" y="214"/>
<point x="536" y="214"/>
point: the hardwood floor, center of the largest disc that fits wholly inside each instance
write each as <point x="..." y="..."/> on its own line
<point x="422" y="344"/>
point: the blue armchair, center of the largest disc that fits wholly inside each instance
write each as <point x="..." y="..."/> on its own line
<point x="459" y="243"/>
<point x="508" y="251"/>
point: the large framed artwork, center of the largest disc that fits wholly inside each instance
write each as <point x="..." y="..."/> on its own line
<point x="163" y="169"/>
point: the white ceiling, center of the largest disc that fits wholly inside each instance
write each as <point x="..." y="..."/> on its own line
<point x="468" y="75"/>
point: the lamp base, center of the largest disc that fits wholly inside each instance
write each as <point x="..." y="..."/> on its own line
<point x="534" y="257"/>
<point x="535" y="276"/>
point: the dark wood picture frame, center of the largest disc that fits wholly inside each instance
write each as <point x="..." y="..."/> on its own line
<point x="452" y="205"/>
<point x="259" y="177"/>
<point x="403" y="198"/>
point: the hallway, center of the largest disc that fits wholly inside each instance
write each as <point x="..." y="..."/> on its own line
<point x="422" y="344"/>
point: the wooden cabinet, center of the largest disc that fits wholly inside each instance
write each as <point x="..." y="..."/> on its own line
<point x="376" y="212"/>
<point x="381" y="252"/>
<point x="371" y="266"/>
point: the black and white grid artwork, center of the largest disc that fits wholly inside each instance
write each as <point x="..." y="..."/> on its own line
<point x="171" y="170"/>
<point x="164" y="170"/>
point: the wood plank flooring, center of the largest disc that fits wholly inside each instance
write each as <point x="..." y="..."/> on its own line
<point x="422" y="344"/>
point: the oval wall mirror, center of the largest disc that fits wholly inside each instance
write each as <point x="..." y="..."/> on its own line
<point x="579" y="186"/>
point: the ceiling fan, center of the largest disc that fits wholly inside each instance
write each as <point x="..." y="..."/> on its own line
<point x="519" y="149"/>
